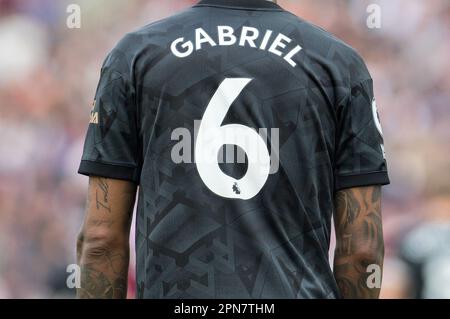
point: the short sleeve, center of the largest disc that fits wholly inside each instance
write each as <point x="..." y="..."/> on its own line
<point x="111" y="145"/>
<point x="360" y="156"/>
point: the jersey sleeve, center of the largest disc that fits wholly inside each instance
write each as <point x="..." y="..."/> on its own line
<point x="360" y="158"/>
<point x="111" y="145"/>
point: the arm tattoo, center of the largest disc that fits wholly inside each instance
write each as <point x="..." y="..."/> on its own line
<point x="108" y="283"/>
<point x="102" y="247"/>
<point x="359" y="240"/>
<point x="102" y="194"/>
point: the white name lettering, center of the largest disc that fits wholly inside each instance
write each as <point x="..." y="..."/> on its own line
<point x="187" y="46"/>
<point x="226" y="35"/>
<point x="277" y="44"/>
<point x="202" y="37"/>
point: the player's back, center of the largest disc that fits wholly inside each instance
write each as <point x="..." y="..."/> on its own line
<point x="252" y="221"/>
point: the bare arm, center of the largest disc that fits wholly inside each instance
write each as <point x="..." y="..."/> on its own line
<point x="103" y="243"/>
<point x="359" y="240"/>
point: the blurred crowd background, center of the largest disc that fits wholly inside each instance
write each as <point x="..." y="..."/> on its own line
<point x="48" y="75"/>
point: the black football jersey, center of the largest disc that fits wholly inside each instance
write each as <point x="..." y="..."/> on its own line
<point x="239" y="121"/>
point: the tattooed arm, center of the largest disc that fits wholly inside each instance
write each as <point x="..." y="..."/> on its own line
<point x="103" y="243"/>
<point x="359" y="240"/>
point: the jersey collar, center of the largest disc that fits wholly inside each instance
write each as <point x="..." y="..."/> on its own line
<point x="241" y="4"/>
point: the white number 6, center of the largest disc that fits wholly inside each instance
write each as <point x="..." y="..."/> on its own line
<point x="212" y="137"/>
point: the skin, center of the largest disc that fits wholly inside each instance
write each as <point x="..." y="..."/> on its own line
<point x="359" y="240"/>
<point x="103" y="243"/>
